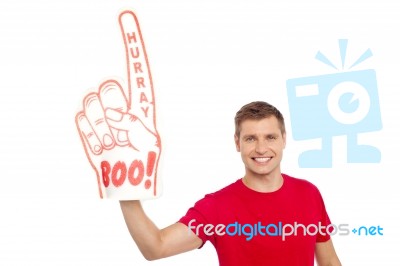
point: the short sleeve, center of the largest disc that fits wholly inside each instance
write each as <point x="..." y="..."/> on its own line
<point x="325" y="229"/>
<point x="198" y="216"/>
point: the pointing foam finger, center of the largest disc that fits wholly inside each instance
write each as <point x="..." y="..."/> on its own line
<point x="140" y="85"/>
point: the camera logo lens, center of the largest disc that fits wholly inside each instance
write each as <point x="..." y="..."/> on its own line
<point x="348" y="102"/>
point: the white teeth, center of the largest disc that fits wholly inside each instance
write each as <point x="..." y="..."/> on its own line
<point x="262" y="160"/>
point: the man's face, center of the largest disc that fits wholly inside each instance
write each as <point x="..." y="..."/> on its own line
<point x="261" y="145"/>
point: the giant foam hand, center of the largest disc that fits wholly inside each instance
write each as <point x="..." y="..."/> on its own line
<point x="117" y="125"/>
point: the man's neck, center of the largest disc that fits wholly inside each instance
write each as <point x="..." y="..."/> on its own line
<point x="265" y="183"/>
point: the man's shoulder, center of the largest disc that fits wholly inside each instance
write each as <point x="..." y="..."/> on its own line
<point x="218" y="197"/>
<point x="300" y="183"/>
<point x="226" y="191"/>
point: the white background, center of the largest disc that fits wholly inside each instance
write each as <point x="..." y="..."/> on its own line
<point x="208" y="58"/>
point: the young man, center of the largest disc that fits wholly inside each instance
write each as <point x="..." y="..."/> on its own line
<point x="264" y="218"/>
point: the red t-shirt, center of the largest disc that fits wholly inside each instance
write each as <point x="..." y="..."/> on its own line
<point x="248" y="227"/>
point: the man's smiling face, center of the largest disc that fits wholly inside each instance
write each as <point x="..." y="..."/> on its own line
<point x="261" y="145"/>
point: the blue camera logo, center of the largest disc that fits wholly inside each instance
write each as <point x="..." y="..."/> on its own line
<point x="344" y="103"/>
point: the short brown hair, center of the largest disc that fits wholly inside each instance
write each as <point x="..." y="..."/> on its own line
<point x="256" y="111"/>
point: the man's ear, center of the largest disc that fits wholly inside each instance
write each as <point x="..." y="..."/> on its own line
<point x="237" y="143"/>
<point x="284" y="140"/>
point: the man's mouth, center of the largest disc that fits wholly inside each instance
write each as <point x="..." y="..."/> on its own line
<point x="262" y="159"/>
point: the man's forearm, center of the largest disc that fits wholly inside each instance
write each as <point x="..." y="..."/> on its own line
<point x="143" y="231"/>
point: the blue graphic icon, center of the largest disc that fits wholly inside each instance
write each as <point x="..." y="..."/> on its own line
<point x="344" y="103"/>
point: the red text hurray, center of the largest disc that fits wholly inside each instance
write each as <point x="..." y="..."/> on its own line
<point x="139" y="75"/>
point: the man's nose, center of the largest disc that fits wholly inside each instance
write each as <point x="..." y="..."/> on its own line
<point x="261" y="147"/>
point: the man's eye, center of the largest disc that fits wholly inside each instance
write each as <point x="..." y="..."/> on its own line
<point x="249" y="139"/>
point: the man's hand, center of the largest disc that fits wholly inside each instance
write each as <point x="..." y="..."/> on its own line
<point x="117" y="126"/>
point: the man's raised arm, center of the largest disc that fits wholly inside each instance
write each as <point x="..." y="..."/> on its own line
<point x="153" y="242"/>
